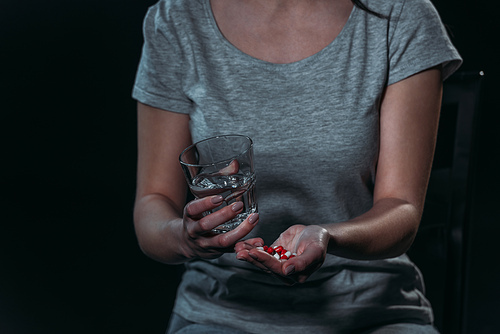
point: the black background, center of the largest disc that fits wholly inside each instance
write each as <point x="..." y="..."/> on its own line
<point x="69" y="260"/>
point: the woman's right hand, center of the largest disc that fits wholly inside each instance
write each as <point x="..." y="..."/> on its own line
<point x="198" y="239"/>
<point x="169" y="230"/>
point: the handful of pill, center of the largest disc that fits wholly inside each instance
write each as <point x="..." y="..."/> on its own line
<point x="278" y="252"/>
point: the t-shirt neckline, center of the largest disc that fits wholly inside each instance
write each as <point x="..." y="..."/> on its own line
<point x="259" y="62"/>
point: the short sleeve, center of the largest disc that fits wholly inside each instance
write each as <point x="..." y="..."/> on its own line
<point x="419" y="41"/>
<point x="158" y="81"/>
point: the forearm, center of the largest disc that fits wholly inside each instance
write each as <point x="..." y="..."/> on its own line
<point x="158" y="226"/>
<point x="387" y="230"/>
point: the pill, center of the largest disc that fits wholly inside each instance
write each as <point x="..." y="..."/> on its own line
<point x="278" y="252"/>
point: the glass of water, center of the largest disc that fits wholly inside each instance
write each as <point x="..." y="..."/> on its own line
<point x="222" y="165"/>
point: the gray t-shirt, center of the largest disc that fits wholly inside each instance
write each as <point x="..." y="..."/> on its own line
<point x="315" y="126"/>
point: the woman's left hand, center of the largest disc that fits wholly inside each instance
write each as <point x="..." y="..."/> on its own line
<point x="310" y="243"/>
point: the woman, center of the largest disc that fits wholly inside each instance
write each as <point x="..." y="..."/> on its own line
<point x="342" y="103"/>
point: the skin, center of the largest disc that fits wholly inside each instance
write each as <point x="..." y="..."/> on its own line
<point x="283" y="31"/>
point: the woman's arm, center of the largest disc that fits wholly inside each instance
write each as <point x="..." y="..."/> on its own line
<point x="161" y="191"/>
<point x="167" y="229"/>
<point x="408" y="127"/>
<point x="409" y="118"/>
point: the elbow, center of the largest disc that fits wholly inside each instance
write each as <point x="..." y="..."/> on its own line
<point x="401" y="237"/>
<point x="143" y="245"/>
<point x="154" y="249"/>
<point x="143" y="241"/>
<point x="156" y="239"/>
<point x="386" y="231"/>
<point x="147" y="236"/>
<point x="394" y="232"/>
<point x="404" y="244"/>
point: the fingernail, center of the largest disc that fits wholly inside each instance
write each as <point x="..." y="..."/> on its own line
<point x="237" y="206"/>
<point x="217" y="199"/>
<point x="254" y="218"/>
<point x="253" y="256"/>
<point x="289" y="270"/>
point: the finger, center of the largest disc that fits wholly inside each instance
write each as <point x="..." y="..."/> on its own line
<point x="266" y="260"/>
<point x="196" y="208"/>
<point x="229" y="239"/>
<point x="290" y="271"/>
<point x="209" y="222"/>
<point x="232" y="237"/>
<point x="249" y="244"/>
<point x="257" y="260"/>
<point x="266" y="263"/>
<point x="301" y="267"/>
<point x="312" y="256"/>
<point x="269" y="264"/>
<point x="244" y="255"/>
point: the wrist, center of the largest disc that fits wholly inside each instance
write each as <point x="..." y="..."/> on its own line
<point x="176" y="249"/>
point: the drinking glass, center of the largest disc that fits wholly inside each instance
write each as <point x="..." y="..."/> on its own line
<point x="222" y="165"/>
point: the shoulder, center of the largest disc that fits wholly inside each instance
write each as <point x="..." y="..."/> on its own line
<point x="173" y="19"/>
<point x="176" y="10"/>
<point x="178" y="5"/>
<point x="394" y="9"/>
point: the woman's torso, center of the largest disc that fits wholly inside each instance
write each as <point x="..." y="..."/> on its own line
<point x="314" y="122"/>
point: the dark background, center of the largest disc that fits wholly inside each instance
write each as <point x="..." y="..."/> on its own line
<point x="69" y="260"/>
